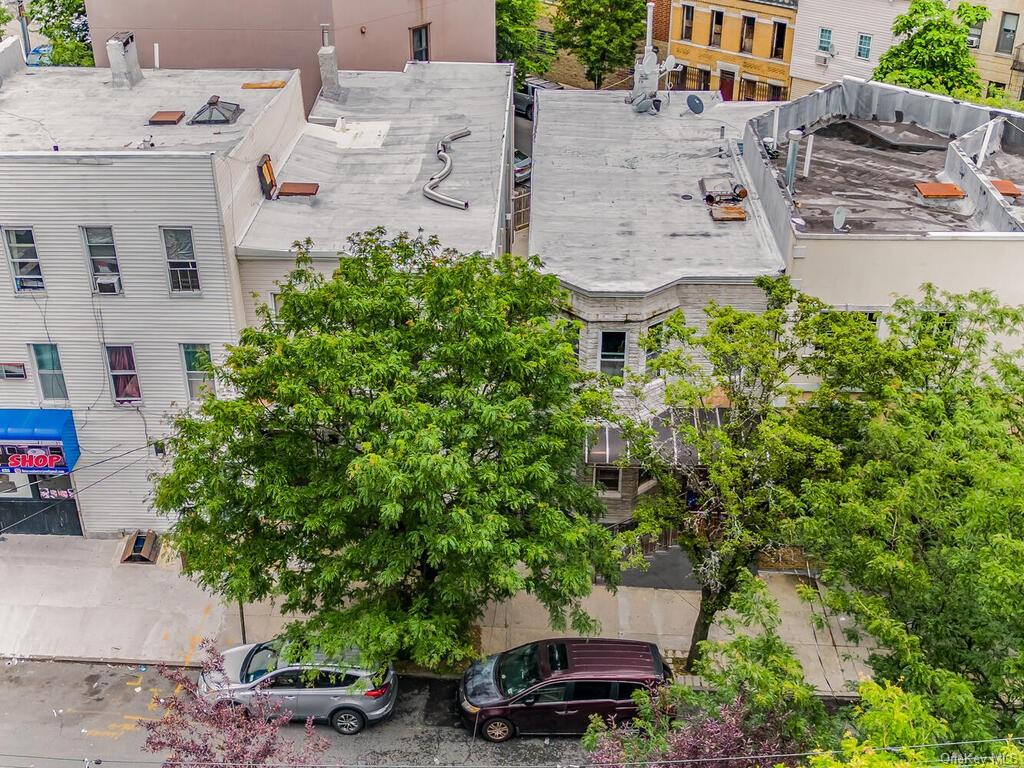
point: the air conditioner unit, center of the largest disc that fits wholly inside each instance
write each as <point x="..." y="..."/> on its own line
<point x="973" y="41"/>
<point x="108" y="284"/>
<point x="822" y="59"/>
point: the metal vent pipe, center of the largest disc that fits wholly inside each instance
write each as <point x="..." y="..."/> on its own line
<point x="429" y="189"/>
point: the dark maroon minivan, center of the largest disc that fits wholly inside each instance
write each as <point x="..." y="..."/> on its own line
<point x="554" y="686"/>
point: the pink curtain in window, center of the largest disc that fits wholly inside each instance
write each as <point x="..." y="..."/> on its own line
<point x="126" y="386"/>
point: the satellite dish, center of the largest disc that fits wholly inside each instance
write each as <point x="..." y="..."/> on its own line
<point x="740" y="191"/>
<point x="650" y="62"/>
<point x="695" y="103"/>
<point x="831" y="50"/>
<point x="670" y="63"/>
<point x="839" y="218"/>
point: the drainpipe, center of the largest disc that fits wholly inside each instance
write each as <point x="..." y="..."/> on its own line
<point x="649" y="45"/>
<point x="807" y="156"/>
<point x="23" y="21"/>
<point x="794" y="137"/>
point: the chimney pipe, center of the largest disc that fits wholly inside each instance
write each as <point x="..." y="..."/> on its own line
<point x="329" y="72"/>
<point x="325" y="37"/>
<point x="649" y="45"/>
<point x="794" y="137"/>
<point x="125" y="72"/>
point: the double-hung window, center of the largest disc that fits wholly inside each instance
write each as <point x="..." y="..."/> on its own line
<point x="124" y="379"/>
<point x="1007" y="33"/>
<point x="421" y="43"/>
<point x="51" y="375"/>
<point x="864" y="47"/>
<point x="825" y="40"/>
<point x="747" y="34"/>
<point x="181" y="260"/>
<point x="778" y="40"/>
<point x="715" y="36"/>
<point x="25" y="266"/>
<point x="197" y="358"/>
<point x="687" y="32"/>
<point x="106" y="275"/>
<point x="613" y="352"/>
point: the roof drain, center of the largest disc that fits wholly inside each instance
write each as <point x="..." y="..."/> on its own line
<point x="429" y="189"/>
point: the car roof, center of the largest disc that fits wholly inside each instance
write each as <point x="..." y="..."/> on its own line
<point x="607" y="657"/>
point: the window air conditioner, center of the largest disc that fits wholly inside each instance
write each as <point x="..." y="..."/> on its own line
<point x="822" y="59"/>
<point x="108" y="284"/>
<point x="973" y="41"/>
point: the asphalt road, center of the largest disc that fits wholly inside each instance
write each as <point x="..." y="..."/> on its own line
<point x="65" y="710"/>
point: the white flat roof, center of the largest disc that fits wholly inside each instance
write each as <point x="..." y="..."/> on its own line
<point x="607" y="213"/>
<point x="77" y="109"/>
<point x="372" y="173"/>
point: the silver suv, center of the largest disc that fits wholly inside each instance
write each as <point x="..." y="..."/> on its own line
<point x="341" y="692"/>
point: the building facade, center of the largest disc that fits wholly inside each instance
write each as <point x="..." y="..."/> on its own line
<point x="741" y="48"/>
<point x="243" y="34"/>
<point x="997" y="48"/>
<point x="833" y="40"/>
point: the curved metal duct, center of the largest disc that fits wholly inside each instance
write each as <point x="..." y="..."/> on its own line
<point x="430" y="188"/>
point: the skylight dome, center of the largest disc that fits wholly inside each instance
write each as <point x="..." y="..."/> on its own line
<point x="217" y="112"/>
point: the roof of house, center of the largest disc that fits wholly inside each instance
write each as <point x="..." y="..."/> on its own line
<point x="77" y="109"/>
<point x="372" y="165"/>
<point x="617" y="205"/>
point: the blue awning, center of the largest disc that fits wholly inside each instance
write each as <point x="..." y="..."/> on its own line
<point x="40" y="428"/>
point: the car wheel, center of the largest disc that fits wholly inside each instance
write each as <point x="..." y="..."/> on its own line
<point x="348" y="722"/>
<point x="498" y="729"/>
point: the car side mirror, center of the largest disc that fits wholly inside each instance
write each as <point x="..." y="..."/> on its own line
<point x="530" y="700"/>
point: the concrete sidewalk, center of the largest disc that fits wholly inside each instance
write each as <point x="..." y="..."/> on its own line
<point x="71" y="598"/>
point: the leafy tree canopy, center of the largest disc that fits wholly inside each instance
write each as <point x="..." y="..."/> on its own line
<point x="5" y="19"/>
<point x="402" y="447"/>
<point x="64" y="22"/>
<point x="922" y="529"/>
<point x="932" y="52"/>
<point x="601" y="34"/>
<point x="517" y="38"/>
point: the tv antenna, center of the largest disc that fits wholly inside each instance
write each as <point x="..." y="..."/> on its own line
<point x="839" y="219"/>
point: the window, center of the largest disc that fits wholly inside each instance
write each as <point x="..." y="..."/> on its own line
<point x="975" y="33"/>
<point x="656" y="345"/>
<point x="749" y="90"/>
<point x="328" y="679"/>
<point x="825" y="40"/>
<point x="687" y="33"/>
<point x="608" y="479"/>
<point x="715" y="39"/>
<point x="864" y="47"/>
<point x="704" y="80"/>
<point x="546" y="42"/>
<point x="276" y="302"/>
<point x="106" y="276"/>
<point x="626" y="690"/>
<point x="747" y="34"/>
<point x="644" y="479"/>
<point x="613" y="352"/>
<point x="421" y="43"/>
<point x="995" y="89"/>
<point x="181" y="260"/>
<point x="1007" y="33"/>
<point x="12" y="371"/>
<point x="197" y="357"/>
<point x="51" y="375"/>
<point x="25" y="267"/>
<point x="289" y="679"/>
<point x="124" y="380"/>
<point x="776" y="92"/>
<point x="779" y="40"/>
<point x="550" y="693"/>
<point x="591" y="690"/>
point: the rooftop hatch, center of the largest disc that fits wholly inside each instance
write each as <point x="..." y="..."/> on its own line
<point x="217" y="112"/>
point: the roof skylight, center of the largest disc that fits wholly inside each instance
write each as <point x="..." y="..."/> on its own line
<point x="217" y="112"/>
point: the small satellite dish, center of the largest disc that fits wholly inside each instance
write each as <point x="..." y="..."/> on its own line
<point x="831" y="50"/>
<point x="695" y="103"/>
<point x="687" y="197"/>
<point x="650" y="61"/>
<point x="670" y="63"/>
<point x="839" y="218"/>
<point x="740" y="191"/>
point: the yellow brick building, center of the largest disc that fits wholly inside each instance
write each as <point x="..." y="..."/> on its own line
<point x="739" y="47"/>
<point x="996" y="48"/>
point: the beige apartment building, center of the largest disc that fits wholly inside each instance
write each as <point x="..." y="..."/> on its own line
<point x="997" y="48"/>
<point x="243" y="34"/>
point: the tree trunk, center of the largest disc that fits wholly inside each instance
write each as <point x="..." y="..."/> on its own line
<point x="705" y="618"/>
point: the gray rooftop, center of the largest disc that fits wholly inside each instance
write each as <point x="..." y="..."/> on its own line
<point x="607" y="209"/>
<point x="372" y="172"/>
<point x="77" y="109"/>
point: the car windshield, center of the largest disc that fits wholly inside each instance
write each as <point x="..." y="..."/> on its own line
<point x="519" y="669"/>
<point x="520" y="156"/>
<point x="262" y="660"/>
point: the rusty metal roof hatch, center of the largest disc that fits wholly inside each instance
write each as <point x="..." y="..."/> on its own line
<point x="167" y="117"/>
<point x="217" y="112"/>
<point x="140" y="548"/>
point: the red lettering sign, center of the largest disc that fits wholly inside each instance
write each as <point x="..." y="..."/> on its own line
<point x="33" y="461"/>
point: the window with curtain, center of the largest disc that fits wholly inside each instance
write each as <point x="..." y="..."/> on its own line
<point x="25" y="266"/>
<point x="181" y="260"/>
<point x="124" y="379"/>
<point x="197" y="358"/>
<point x="51" y="375"/>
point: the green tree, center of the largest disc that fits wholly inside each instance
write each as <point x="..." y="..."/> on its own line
<point x="730" y="491"/>
<point x="64" y="22"/>
<point x="932" y="52"/>
<point x="601" y="34"/>
<point x="400" y="448"/>
<point x="922" y="529"/>
<point x="517" y="38"/>
<point x="5" y="19"/>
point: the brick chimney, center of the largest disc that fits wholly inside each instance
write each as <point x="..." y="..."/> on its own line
<point x="125" y="72"/>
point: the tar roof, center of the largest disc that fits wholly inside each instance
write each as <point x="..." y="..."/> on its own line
<point x="607" y="209"/>
<point x="372" y="172"/>
<point x="77" y="109"/>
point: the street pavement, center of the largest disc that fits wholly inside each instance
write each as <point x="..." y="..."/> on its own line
<point x="66" y="710"/>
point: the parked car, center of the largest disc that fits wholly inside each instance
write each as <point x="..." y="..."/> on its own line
<point x="522" y="166"/>
<point x="40" y="56"/>
<point x="552" y="687"/>
<point x="341" y="692"/>
<point x="523" y="105"/>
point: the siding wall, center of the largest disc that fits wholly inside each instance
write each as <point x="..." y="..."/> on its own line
<point x="847" y="21"/>
<point x="135" y="194"/>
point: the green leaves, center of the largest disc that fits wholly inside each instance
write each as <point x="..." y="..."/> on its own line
<point x="517" y="39"/>
<point x="403" y="449"/>
<point x="601" y="34"/>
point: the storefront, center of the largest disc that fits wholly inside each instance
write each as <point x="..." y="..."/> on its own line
<point x="38" y="451"/>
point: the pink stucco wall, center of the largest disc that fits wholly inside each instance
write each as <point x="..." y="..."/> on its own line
<point x="285" y="34"/>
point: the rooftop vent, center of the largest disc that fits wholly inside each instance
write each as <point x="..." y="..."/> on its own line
<point x="217" y="112"/>
<point x="272" y="190"/>
<point x="1006" y="188"/>
<point x="140" y="548"/>
<point x="167" y="117"/>
<point x="934" y="190"/>
<point x="125" y="72"/>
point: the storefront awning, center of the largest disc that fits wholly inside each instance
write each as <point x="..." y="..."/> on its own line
<point x="38" y="440"/>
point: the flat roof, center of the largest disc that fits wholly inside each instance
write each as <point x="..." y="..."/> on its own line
<point x="372" y="172"/>
<point x="607" y="213"/>
<point x="77" y="109"/>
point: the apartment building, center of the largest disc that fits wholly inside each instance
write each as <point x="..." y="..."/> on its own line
<point x="833" y="40"/>
<point x="997" y="48"/>
<point x="368" y="34"/>
<point x="137" y="219"/>
<point x="741" y="48"/>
